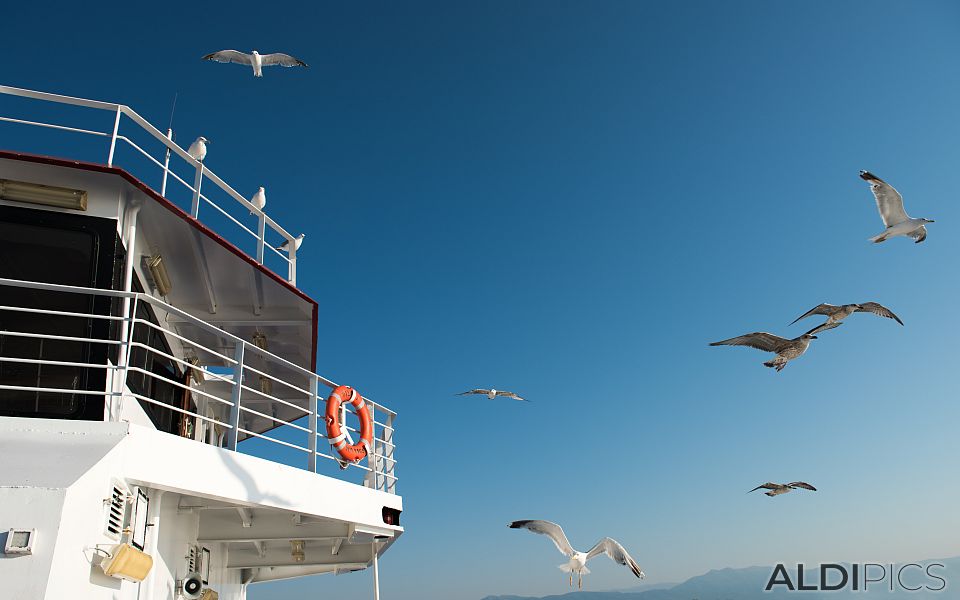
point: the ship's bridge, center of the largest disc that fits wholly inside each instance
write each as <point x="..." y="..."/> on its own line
<point x="140" y="289"/>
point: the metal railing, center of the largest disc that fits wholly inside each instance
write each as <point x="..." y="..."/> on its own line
<point x="237" y="395"/>
<point x="169" y="148"/>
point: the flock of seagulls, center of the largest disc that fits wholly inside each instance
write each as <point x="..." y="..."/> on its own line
<point x="198" y="149"/>
<point x="895" y="219"/>
<point x="787" y="350"/>
<point x="898" y="223"/>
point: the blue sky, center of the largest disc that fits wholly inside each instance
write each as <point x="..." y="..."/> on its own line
<point x="571" y="199"/>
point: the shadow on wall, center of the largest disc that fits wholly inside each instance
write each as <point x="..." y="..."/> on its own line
<point x="250" y="485"/>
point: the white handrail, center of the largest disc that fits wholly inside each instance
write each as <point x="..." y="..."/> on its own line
<point x="233" y="395"/>
<point x="203" y="171"/>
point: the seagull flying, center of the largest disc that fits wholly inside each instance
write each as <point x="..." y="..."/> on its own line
<point x="785" y="350"/>
<point x="259" y="199"/>
<point x="198" y="149"/>
<point x="835" y="314"/>
<point x="890" y="203"/>
<point x="296" y="243"/>
<point x="491" y="394"/>
<point x="255" y="60"/>
<point x="578" y="560"/>
<point x="779" y="488"/>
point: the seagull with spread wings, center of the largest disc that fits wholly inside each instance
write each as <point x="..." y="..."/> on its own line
<point x="578" y="560"/>
<point x="255" y="60"/>
<point x="780" y="488"/>
<point x="890" y="204"/>
<point x="835" y="314"/>
<point x="491" y="394"/>
<point x="785" y="350"/>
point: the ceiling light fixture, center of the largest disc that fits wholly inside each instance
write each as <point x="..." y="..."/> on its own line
<point x="47" y="195"/>
<point x="161" y="279"/>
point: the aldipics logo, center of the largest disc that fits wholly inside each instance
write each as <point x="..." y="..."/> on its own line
<point x="832" y="577"/>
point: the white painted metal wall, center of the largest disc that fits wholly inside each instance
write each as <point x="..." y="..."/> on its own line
<point x="64" y="471"/>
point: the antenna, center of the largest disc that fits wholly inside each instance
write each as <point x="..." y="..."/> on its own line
<point x="173" y="110"/>
<point x="170" y="136"/>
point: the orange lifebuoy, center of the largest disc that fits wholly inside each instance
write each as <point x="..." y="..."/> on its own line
<point x="337" y="436"/>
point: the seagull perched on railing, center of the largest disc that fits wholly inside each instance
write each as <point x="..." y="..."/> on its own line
<point x="786" y="350"/>
<point x="296" y="243"/>
<point x="198" y="149"/>
<point x="890" y="203"/>
<point x="255" y="60"/>
<point x="491" y="394"/>
<point x="259" y="199"/>
<point x="835" y="314"/>
<point x="578" y="560"/>
<point x="780" y="488"/>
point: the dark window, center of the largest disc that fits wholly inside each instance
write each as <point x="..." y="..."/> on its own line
<point x="52" y="247"/>
<point x="156" y="385"/>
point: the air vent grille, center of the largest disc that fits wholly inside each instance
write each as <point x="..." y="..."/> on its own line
<point x="116" y="512"/>
<point x="192" y="565"/>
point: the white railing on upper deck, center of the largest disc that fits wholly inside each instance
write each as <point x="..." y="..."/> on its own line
<point x="170" y="148"/>
<point x="233" y="396"/>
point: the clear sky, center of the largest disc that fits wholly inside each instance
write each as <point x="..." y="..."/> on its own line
<point x="570" y="200"/>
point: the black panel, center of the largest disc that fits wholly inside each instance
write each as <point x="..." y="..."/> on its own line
<point x="67" y="249"/>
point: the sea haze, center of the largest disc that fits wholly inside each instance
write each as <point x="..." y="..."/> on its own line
<point x="748" y="584"/>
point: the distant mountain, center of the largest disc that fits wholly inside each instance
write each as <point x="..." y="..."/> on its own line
<point x="748" y="584"/>
<point x="644" y="587"/>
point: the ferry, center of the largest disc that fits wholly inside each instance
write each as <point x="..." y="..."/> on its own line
<point x="164" y="432"/>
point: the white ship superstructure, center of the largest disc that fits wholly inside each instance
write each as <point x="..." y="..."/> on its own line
<point x="162" y="425"/>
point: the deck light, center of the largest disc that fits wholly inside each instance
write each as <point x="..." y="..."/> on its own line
<point x="20" y="541"/>
<point x="161" y="279"/>
<point x="266" y="385"/>
<point x="260" y="340"/>
<point x="196" y="371"/>
<point x="296" y="551"/>
<point x="47" y="195"/>
<point x="126" y="562"/>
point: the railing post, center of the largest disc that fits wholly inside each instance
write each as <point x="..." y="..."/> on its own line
<point x="376" y="574"/>
<point x="126" y="326"/>
<point x="261" y="233"/>
<point x="126" y="341"/>
<point x="372" y="460"/>
<point x="166" y="166"/>
<point x="312" y="443"/>
<point x="233" y="434"/>
<point x="197" y="182"/>
<point x="292" y="263"/>
<point x="389" y="466"/>
<point x="113" y="138"/>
